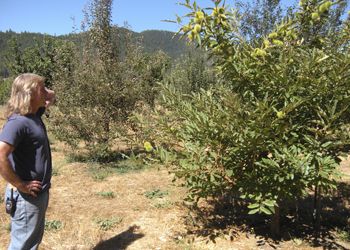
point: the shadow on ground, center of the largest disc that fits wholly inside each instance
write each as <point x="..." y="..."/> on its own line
<point x="229" y="216"/>
<point x="107" y="162"/>
<point x="120" y="241"/>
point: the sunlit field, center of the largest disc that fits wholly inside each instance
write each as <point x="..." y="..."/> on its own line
<point x="92" y="208"/>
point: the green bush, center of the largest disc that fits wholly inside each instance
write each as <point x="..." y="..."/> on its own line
<point x="275" y="129"/>
<point x="5" y="90"/>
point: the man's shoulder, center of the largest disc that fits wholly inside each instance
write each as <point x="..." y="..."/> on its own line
<point x="17" y="121"/>
<point x="16" y="118"/>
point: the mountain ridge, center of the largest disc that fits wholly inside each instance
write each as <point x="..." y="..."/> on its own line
<point x="150" y="40"/>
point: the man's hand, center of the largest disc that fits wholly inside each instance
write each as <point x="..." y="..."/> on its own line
<point x="30" y="187"/>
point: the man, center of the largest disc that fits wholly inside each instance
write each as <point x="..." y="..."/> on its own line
<point x="25" y="160"/>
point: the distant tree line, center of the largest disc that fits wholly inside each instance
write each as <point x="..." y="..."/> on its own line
<point x="150" y="40"/>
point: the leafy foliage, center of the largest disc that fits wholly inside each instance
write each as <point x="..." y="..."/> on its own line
<point x="102" y="86"/>
<point x="5" y="90"/>
<point x="151" y="41"/>
<point x="42" y="58"/>
<point x="259" y="17"/>
<point x="275" y="128"/>
<point x="191" y="72"/>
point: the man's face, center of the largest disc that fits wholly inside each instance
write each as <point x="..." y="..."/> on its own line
<point x="39" y="96"/>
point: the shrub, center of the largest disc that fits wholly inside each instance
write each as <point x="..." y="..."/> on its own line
<point x="275" y="129"/>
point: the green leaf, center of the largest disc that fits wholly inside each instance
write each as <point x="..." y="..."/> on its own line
<point x="265" y="210"/>
<point x="269" y="203"/>
<point x="326" y="144"/>
<point x="254" y="205"/>
<point x="254" y="211"/>
<point x="178" y="19"/>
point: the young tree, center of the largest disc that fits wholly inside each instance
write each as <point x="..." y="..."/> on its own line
<point x="275" y="130"/>
<point x="103" y="86"/>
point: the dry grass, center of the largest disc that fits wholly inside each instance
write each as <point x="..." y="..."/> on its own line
<point x="133" y="219"/>
<point x="76" y="203"/>
<point x="128" y="219"/>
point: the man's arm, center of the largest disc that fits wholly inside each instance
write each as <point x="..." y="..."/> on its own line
<point x="6" y="171"/>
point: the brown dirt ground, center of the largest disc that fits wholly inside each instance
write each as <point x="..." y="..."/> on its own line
<point x="143" y="223"/>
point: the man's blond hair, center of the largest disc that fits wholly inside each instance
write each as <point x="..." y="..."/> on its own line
<point x="21" y="94"/>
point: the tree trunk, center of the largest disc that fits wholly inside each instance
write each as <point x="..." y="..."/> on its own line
<point x="317" y="212"/>
<point x="275" y="223"/>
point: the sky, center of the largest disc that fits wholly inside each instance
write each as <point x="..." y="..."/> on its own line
<point x="55" y="17"/>
<point x="59" y="17"/>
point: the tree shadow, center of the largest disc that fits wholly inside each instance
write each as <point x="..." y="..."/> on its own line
<point x="229" y="215"/>
<point x="120" y="241"/>
<point x="121" y="161"/>
<point x="105" y="156"/>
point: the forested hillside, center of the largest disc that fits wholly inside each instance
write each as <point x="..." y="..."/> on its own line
<point x="150" y="40"/>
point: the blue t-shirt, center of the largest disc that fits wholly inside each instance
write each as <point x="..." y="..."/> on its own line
<point x="31" y="158"/>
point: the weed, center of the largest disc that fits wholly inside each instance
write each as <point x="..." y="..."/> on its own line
<point x="54" y="225"/>
<point x="107" y="224"/>
<point x="163" y="204"/>
<point x="102" y="171"/>
<point x="129" y="163"/>
<point x="98" y="172"/>
<point x="107" y="194"/>
<point x="343" y="235"/>
<point x="156" y="193"/>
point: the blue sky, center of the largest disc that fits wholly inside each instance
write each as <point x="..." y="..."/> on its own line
<point x="55" y="16"/>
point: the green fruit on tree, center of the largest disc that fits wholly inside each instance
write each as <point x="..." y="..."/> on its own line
<point x="197" y="28"/>
<point x="186" y="28"/>
<point x="325" y="6"/>
<point x="273" y="35"/>
<point x="223" y="16"/>
<point x="199" y="15"/>
<point x="259" y="52"/>
<point x="215" y="12"/>
<point x="315" y="16"/>
<point x="266" y="43"/>
<point x="277" y="42"/>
